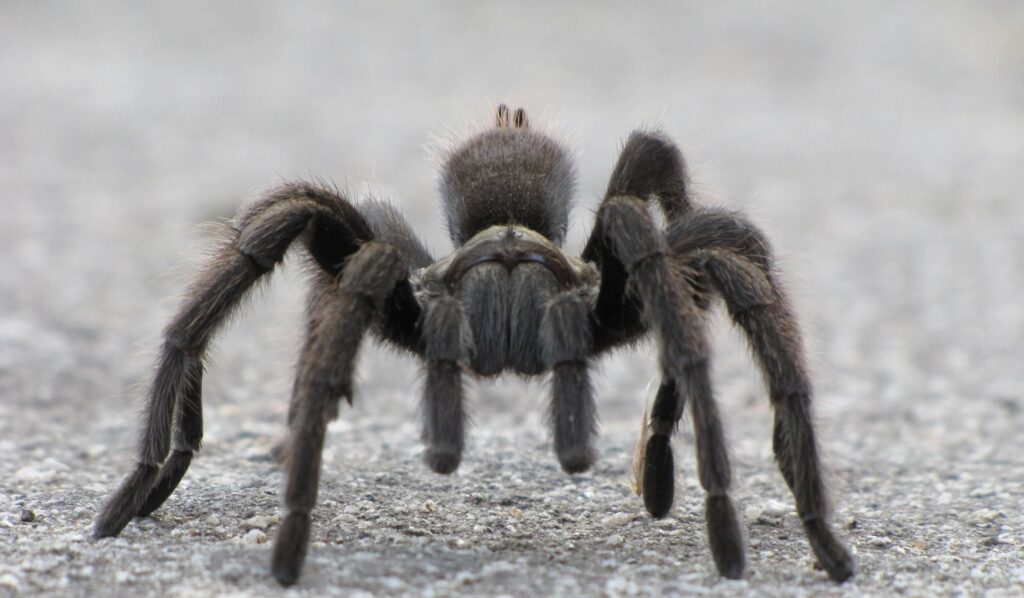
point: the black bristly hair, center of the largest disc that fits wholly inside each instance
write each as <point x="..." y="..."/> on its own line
<point x="510" y="174"/>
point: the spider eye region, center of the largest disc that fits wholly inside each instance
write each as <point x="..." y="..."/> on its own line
<point x="510" y="247"/>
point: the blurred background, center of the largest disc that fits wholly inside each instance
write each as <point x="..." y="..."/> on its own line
<point x="879" y="145"/>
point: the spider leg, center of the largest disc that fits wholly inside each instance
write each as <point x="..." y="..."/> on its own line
<point x="445" y="334"/>
<point x="642" y="289"/>
<point x="340" y="314"/>
<point x="714" y="472"/>
<point x="567" y="338"/>
<point x="212" y="299"/>
<point x="257" y="241"/>
<point x="188" y="437"/>
<point x="400" y="324"/>
<point x="759" y="307"/>
<point x="678" y="327"/>
<point x="649" y="166"/>
<point x="640" y="292"/>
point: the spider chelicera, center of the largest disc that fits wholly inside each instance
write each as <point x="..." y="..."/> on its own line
<point x="507" y="299"/>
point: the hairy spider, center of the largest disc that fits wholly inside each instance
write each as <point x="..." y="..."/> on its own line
<point x="508" y="298"/>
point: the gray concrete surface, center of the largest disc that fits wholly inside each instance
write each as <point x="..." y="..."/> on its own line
<point x="880" y="144"/>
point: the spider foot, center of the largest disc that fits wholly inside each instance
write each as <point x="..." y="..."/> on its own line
<point x="442" y="460"/>
<point x="830" y="552"/>
<point x="725" y="537"/>
<point x="125" y="503"/>
<point x="170" y="475"/>
<point x="659" y="476"/>
<point x="290" y="548"/>
<point x="279" y="450"/>
<point x="576" y="459"/>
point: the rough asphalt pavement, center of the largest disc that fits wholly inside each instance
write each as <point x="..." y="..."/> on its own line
<point x="880" y="145"/>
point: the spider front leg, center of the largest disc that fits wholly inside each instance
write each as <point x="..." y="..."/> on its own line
<point x="631" y="238"/>
<point x="340" y="313"/>
<point x="759" y="307"/>
<point x="642" y="290"/>
<point x="257" y="241"/>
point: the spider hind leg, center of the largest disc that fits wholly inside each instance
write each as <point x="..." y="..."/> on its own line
<point x="177" y="382"/>
<point x="757" y="304"/>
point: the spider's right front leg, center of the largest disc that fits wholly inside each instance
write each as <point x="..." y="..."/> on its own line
<point x="258" y="240"/>
<point x="339" y="313"/>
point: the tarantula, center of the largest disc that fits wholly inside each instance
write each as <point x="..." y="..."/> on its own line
<point x="508" y="298"/>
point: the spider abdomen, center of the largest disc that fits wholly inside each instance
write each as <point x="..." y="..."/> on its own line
<point x="508" y="175"/>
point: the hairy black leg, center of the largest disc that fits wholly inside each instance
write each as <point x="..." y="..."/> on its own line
<point x="678" y="326"/>
<point x="616" y="319"/>
<point x="713" y="469"/>
<point x="188" y="438"/>
<point x="212" y="299"/>
<point x="760" y="309"/>
<point x="573" y="416"/>
<point x="651" y="167"/>
<point x="339" y="314"/>
<point x="401" y="311"/>
<point x="444" y="417"/>
<point x="317" y="403"/>
<point x="667" y="310"/>
<point x="257" y="241"/>
<point x="566" y="338"/>
<point x="659" y="473"/>
<point x="331" y="243"/>
<point x="656" y="284"/>
<point x="722" y="232"/>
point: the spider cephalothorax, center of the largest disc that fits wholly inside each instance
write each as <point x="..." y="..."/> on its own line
<point x="508" y="298"/>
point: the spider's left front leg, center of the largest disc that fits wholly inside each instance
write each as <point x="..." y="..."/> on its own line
<point x="643" y="290"/>
<point x="626" y="235"/>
